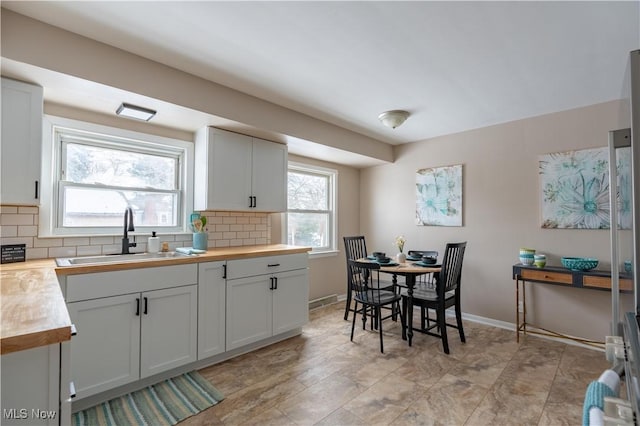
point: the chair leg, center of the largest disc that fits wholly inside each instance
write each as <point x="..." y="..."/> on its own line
<point x="459" y="321"/>
<point x="347" y="307"/>
<point x="402" y="319"/>
<point x="378" y="311"/>
<point x="353" y="323"/>
<point x="422" y="318"/>
<point x="443" y="329"/>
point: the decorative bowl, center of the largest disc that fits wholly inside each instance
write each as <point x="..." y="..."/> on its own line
<point x="540" y="260"/>
<point x="383" y="259"/>
<point x="579" y="263"/>
<point x="379" y="254"/>
<point x="429" y="260"/>
<point x="627" y="266"/>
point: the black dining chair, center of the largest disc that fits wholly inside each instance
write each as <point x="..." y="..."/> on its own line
<point x="366" y="291"/>
<point x="445" y="294"/>
<point x="354" y="248"/>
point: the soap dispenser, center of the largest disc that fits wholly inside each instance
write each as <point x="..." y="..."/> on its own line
<point x="153" y="244"/>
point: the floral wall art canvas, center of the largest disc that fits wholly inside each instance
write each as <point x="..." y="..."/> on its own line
<point x="439" y="196"/>
<point x="575" y="189"/>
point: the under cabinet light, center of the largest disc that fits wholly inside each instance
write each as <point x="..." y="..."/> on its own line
<point x="135" y="112"/>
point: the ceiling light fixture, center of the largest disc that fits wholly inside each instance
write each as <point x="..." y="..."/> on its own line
<point x="393" y="118"/>
<point x="135" y="112"/>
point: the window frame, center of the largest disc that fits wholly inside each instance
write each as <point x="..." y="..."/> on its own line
<point x="58" y="131"/>
<point x="332" y="203"/>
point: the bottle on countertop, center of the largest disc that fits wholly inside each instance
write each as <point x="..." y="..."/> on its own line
<point x="153" y="243"/>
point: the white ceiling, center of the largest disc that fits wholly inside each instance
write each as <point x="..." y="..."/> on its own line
<point x="454" y="65"/>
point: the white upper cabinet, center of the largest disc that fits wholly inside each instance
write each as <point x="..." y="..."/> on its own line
<point x="21" y="142"/>
<point x="236" y="172"/>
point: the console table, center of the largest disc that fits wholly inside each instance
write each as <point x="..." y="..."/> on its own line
<point x="594" y="279"/>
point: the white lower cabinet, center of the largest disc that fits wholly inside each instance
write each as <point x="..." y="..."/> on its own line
<point x="31" y="387"/>
<point x="124" y="338"/>
<point x="265" y="305"/>
<point x="106" y="351"/>
<point x="211" y="309"/>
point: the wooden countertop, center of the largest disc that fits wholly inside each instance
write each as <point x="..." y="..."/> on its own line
<point x="34" y="312"/>
<point x="211" y="255"/>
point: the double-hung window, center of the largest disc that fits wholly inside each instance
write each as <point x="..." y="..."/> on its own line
<point x="97" y="173"/>
<point x="311" y="214"/>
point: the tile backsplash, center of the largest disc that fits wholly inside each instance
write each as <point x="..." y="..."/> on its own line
<point x="19" y="225"/>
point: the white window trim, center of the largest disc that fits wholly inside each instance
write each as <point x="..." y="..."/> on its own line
<point x="50" y="160"/>
<point x="333" y="199"/>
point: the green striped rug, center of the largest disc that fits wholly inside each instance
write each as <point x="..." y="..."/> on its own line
<point x="165" y="403"/>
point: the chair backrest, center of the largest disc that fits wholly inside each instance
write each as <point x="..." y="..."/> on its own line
<point x="449" y="276"/>
<point x="355" y="247"/>
<point x="365" y="276"/>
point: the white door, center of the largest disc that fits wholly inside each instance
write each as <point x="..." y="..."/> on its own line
<point x="21" y="142"/>
<point x="291" y="301"/>
<point x="211" y="309"/>
<point x="169" y="329"/>
<point x="248" y="310"/>
<point x="230" y="173"/>
<point x="106" y="351"/>
<point x="269" y="181"/>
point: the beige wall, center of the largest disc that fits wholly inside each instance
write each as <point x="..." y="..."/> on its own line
<point x="501" y="214"/>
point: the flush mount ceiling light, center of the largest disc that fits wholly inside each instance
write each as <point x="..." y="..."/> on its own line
<point x="135" y="112"/>
<point x="393" y="118"/>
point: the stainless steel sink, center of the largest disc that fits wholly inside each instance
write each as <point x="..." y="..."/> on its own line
<point x="116" y="258"/>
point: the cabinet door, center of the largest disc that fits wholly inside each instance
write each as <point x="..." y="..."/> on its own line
<point x="227" y="163"/>
<point x="291" y="301"/>
<point x="106" y="351"/>
<point x="269" y="180"/>
<point x="211" y="309"/>
<point x="169" y="329"/>
<point x="31" y="381"/>
<point x="21" y="142"/>
<point x="249" y="311"/>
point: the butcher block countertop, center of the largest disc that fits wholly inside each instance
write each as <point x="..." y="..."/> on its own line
<point x="33" y="309"/>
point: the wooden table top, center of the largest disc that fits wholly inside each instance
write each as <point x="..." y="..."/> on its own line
<point x="408" y="267"/>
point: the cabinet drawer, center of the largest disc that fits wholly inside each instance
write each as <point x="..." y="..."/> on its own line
<point x="266" y="265"/>
<point x="605" y="282"/>
<point x="546" y="276"/>
<point x="105" y="284"/>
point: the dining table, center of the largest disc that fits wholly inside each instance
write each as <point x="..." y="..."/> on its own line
<point x="409" y="269"/>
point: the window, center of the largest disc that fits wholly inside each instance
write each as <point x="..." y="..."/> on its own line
<point x="311" y="214"/>
<point x="97" y="172"/>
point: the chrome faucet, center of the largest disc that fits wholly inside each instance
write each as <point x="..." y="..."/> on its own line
<point x="128" y="227"/>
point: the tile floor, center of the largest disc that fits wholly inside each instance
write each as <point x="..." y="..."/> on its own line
<point x="322" y="378"/>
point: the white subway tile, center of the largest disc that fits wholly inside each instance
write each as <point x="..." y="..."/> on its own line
<point x="222" y="243"/>
<point x="47" y="242"/>
<point x="229" y="220"/>
<point x="78" y="241"/>
<point x="255" y="220"/>
<point x="62" y="252"/>
<point x="8" y="209"/>
<point x="235" y="228"/>
<point x="242" y="234"/>
<point x="27" y="210"/>
<point x="235" y="243"/>
<point x="261" y="241"/>
<point x="27" y="241"/>
<point x="215" y="220"/>
<point x="216" y="235"/>
<point x="16" y="219"/>
<point x="89" y="250"/>
<point x="222" y="214"/>
<point x="221" y="228"/>
<point x="111" y="248"/>
<point x="183" y="237"/>
<point x="250" y="227"/>
<point x="249" y="242"/>
<point x="37" y="253"/>
<point x="256" y="234"/>
<point x="242" y="220"/>
<point x="229" y="235"/>
<point x="27" y="231"/>
<point x="8" y="231"/>
<point x="261" y="227"/>
<point x="94" y="241"/>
